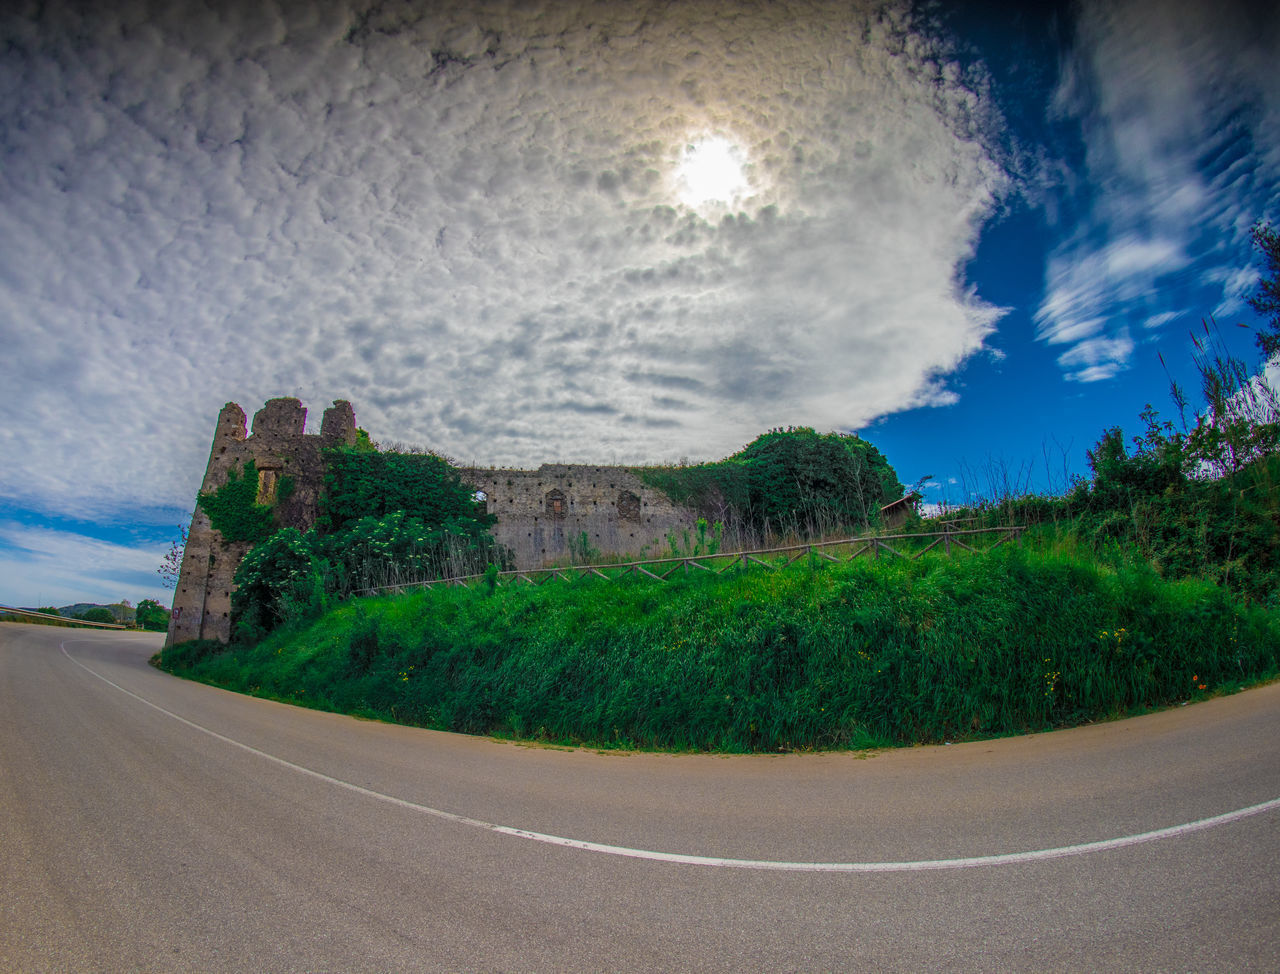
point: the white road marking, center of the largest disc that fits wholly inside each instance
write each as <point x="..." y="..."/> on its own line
<point x="914" y="865"/>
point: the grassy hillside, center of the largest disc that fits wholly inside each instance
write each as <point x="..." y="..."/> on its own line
<point x="814" y="656"/>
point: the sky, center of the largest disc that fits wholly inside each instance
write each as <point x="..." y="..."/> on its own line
<point x="518" y="233"/>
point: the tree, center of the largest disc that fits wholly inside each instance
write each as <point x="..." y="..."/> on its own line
<point x="816" y="481"/>
<point x="152" y="616"/>
<point x="1266" y="301"/>
<point x="171" y="565"/>
<point x="97" y="614"/>
<point x="792" y="479"/>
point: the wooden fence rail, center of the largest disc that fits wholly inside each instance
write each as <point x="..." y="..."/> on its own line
<point x="661" y="569"/>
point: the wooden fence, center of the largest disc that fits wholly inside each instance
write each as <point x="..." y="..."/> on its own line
<point x="662" y="569"/>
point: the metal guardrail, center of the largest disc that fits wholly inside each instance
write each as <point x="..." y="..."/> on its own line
<point x="722" y="562"/>
<point x="14" y="610"/>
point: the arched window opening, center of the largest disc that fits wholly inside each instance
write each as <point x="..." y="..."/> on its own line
<point x="557" y="505"/>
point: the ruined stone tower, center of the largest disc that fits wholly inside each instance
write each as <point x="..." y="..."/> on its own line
<point x="542" y="514"/>
<point x="279" y="447"/>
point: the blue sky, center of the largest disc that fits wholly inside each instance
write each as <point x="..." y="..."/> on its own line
<point x="964" y="230"/>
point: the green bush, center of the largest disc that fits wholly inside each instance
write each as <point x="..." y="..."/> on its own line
<point x="188" y="654"/>
<point x="277" y="581"/>
<point x="786" y="480"/>
<point x="152" y="616"/>
<point x="293" y="577"/>
<point x="423" y="486"/>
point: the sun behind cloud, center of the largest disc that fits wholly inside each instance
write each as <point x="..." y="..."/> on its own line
<point x="712" y="170"/>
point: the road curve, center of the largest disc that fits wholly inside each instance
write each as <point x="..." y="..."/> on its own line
<point x="147" y="823"/>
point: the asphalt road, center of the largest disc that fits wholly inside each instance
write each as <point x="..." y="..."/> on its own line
<point x="147" y="823"/>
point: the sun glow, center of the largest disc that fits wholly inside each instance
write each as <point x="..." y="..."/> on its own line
<point x="711" y="170"/>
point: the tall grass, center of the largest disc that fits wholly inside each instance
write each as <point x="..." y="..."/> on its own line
<point x="814" y="656"/>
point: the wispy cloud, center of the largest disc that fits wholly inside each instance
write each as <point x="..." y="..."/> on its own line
<point x="1180" y="114"/>
<point x="468" y="224"/>
<point x="42" y="566"/>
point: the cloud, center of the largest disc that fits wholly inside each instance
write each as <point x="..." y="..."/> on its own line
<point x="467" y="223"/>
<point x="1180" y="117"/>
<point x="42" y="566"/>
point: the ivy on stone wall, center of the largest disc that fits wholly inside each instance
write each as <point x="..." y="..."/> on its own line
<point x="360" y="484"/>
<point x="233" y="508"/>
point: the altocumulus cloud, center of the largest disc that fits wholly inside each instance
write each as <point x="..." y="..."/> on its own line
<point x="466" y="219"/>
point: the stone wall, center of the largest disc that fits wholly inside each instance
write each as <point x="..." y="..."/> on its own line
<point x="540" y="512"/>
<point x="279" y="448"/>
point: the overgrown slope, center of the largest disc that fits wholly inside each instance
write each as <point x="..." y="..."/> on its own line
<point x="812" y="656"/>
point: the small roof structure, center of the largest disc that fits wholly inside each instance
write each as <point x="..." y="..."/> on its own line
<point x="897" y="512"/>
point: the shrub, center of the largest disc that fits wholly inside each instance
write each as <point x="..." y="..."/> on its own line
<point x="276" y="579"/>
<point x="361" y="484"/>
<point x="786" y="480"/>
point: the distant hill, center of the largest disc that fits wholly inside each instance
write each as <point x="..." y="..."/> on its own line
<point x="123" y="614"/>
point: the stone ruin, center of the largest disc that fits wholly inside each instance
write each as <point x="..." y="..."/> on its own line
<point x="543" y="514"/>
<point x="279" y="447"/>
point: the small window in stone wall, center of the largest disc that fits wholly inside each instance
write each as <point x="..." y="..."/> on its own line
<point x="628" y="506"/>
<point x="268" y="480"/>
<point x="557" y="505"/>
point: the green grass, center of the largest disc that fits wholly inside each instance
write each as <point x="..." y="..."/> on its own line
<point x="815" y="656"/>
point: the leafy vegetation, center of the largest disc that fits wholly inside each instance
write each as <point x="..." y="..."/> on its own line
<point x="1266" y="300"/>
<point x="1162" y="498"/>
<point x="233" y="508"/>
<point x="152" y="616"/>
<point x="1201" y="500"/>
<point x="387" y="518"/>
<point x="422" y="486"/>
<point x="791" y="480"/>
<point x="818" y="655"/>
